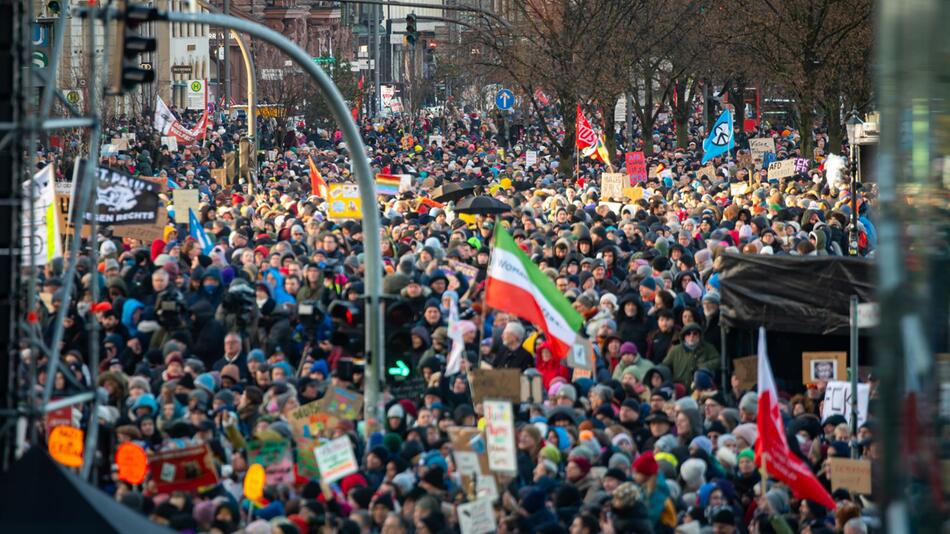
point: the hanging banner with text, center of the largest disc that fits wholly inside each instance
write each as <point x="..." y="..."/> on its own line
<point x="123" y="199"/>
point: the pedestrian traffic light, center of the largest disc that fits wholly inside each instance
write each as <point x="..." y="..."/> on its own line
<point x="126" y="71"/>
<point x="411" y="28"/>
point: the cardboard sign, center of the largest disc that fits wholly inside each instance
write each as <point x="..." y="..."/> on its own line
<point x="837" y="401"/>
<point x="581" y="355"/>
<point x="254" y="481"/>
<point x="477" y="517"/>
<point x="500" y="436"/>
<point x="824" y="366"/>
<point x="611" y="185"/>
<point x="311" y="421"/>
<point x="781" y="169"/>
<point x="495" y="384"/>
<point x="738" y="189"/>
<point x="854" y="475"/>
<point x="746" y="371"/>
<point x="184" y="199"/>
<point x="121" y="143"/>
<point x="144" y="232"/>
<point x="66" y="445"/>
<point x="709" y="171"/>
<point x="276" y="457"/>
<point x="183" y="469"/>
<point x="342" y="403"/>
<point x="468" y="271"/>
<point x="344" y="202"/>
<point x="132" y="463"/>
<point x="759" y="146"/>
<point x="468" y="448"/>
<point x="437" y="139"/>
<point x="336" y="459"/>
<point x="636" y="166"/>
<point x="530" y="158"/>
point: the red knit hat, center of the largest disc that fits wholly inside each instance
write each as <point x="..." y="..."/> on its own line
<point x="582" y="462"/>
<point x="352" y="481"/>
<point x="646" y="465"/>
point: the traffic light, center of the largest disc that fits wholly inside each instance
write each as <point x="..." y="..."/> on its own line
<point x="411" y="28"/>
<point x="127" y="71"/>
<point x="398" y="364"/>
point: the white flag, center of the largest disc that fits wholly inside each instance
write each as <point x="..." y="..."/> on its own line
<point x="163" y="117"/>
<point x="454" y="365"/>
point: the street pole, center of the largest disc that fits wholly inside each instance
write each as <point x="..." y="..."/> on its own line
<point x="226" y="42"/>
<point x="855" y="451"/>
<point x="853" y="235"/>
<point x="377" y="100"/>
<point x="373" y="413"/>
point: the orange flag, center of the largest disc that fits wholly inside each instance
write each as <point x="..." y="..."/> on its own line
<point x="318" y="186"/>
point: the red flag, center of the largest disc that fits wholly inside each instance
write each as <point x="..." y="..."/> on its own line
<point x="317" y="185"/>
<point x="780" y="462"/>
<point x="585" y="134"/>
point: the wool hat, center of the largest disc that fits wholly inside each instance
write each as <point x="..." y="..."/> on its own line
<point x="581" y="462"/>
<point x="628" y="347"/>
<point x="646" y="465"/>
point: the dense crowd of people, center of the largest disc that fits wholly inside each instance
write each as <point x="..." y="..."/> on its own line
<point x="214" y="347"/>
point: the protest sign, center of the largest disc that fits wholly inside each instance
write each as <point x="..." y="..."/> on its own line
<point x="144" y="232"/>
<point x="66" y="445"/>
<point x="254" y="481"/>
<point x="132" y="463"/>
<point x="171" y="142"/>
<point x="477" y="517"/>
<point x="58" y="417"/>
<point x="530" y="158"/>
<point x="121" y="143"/>
<point x="336" y="459"/>
<point x="781" y="169"/>
<point x="123" y="199"/>
<point x="410" y="389"/>
<point x="854" y="475"/>
<point x="437" y="139"/>
<point x="759" y="146"/>
<point x="581" y="355"/>
<point x="496" y="384"/>
<point x="468" y="448"/>
<point x="838" y="401"/>
<point x="611" y="185"/>
<point x="38" y="232"/>
<point x="633" y="193"/>
<point x="486" y="487"/>
<point x="183" y="469"/>
<point x="276" y="457"/>
<point x="709" y="172"/>
<point x="746" y="370"/>
<point x="184" y="200"/>
<point x="306" y="459"/>
<point x="344" y="202"/>
<point x="500" y="436"/>
<point x="738" y="189"/>
<point x="636" y="165"/>
<point x="818" y="366"/>
<point x="468" y="271"/>
<point x="342" y="403"/>
<point x="311" y="421"/>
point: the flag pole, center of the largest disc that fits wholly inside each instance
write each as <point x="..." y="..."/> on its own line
<point x="763" y="473"/>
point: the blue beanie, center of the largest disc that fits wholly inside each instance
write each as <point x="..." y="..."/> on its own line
<point x="434" y="458"/>
<point x="206" y="381"/>
<point x="320" y="366"/>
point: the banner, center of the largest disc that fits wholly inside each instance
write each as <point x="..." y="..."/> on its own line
<point x="183" y="469"/>
<point x="169" y="126"/>
<point x="500" y="436"/>
<point x="336" y="459"/>
<point x="277" y="459"/>
<point x="45" y="243"/>
<point x="636" y="167"/>
<point x="144" y="232"/>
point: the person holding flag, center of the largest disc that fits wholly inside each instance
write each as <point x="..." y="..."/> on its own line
<point x="198" y="232"/>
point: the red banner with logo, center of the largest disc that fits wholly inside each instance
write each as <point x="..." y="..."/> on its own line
<point x="183" y="469"/>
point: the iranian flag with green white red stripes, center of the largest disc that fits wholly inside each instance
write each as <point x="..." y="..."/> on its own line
<point x="518" y="287"/>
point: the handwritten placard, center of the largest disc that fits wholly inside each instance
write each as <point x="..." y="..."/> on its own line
<point x="496" y="384"/>
<point x="854" y="475"/>
<point x="611" y="185"/>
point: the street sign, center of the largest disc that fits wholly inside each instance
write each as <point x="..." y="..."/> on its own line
<point x="504" y="99"/>
<point x="323" y="59"/>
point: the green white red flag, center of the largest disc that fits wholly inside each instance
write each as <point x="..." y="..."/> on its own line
<point x="517" y="286"/>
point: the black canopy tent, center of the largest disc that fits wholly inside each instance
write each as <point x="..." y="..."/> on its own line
<point x="803" y="303"/>
<point x="38" y="495"/>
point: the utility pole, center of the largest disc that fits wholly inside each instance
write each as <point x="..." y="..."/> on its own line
<point x="226" y="43"/>
<point x="377" y="100"/>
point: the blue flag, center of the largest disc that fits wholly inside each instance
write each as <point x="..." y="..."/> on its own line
<point x="721" y="139"/>
<point x="198" y="232"/>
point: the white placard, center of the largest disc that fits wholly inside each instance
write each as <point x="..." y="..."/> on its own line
<point x="336" y="459"/>
<point x="869" y="314"/>
<point x="170" y="142"/>
<point x="530" y="157"/>
<point x="838" y="401"/>
<point x="500" y="436"/>
<point x="477" y="517"/>
<point x="466" y="462"/>
<point x="486" y="487"/>
<point x="184" y="199"/>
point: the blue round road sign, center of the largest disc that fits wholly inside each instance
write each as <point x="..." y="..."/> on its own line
<point x="504" y="99"/>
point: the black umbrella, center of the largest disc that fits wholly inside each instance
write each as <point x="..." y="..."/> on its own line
<point x="451" y="191"/>
<point x="482" y="205"/>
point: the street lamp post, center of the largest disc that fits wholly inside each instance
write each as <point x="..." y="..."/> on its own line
<point x="851" y="125"/>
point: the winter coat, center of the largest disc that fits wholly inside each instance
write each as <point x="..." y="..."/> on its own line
<point x="684" y="362"/>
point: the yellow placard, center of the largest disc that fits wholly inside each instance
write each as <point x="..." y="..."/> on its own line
<point x="344" y="202"/>
<point x="254" y="482"/>
<point x="65" y="445"/>
<point x="633" y="193"/>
